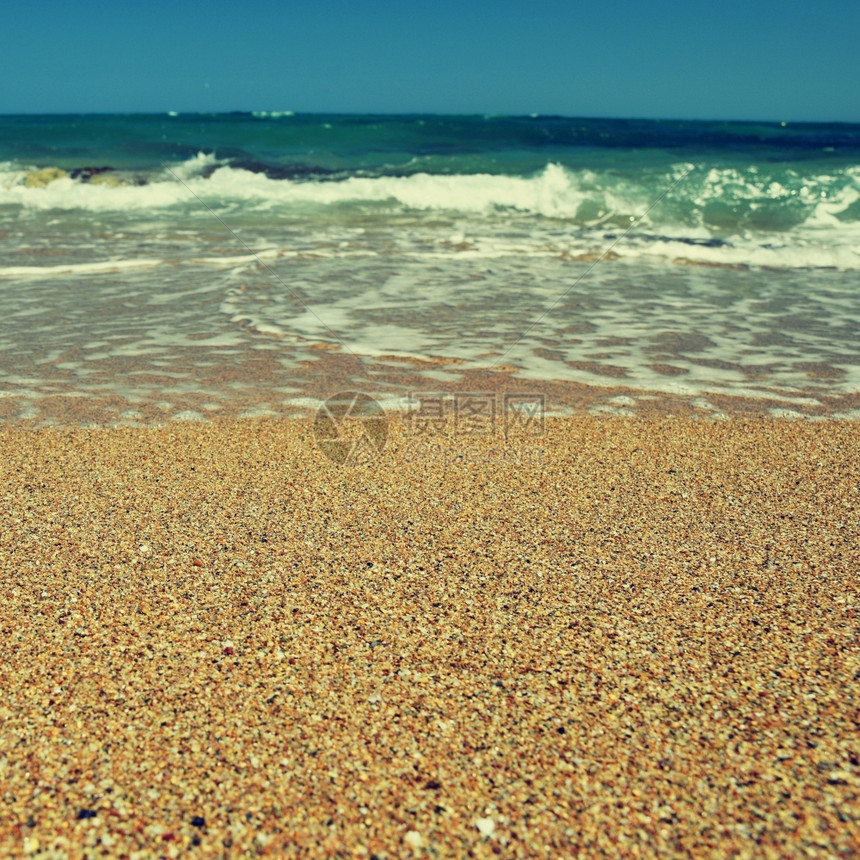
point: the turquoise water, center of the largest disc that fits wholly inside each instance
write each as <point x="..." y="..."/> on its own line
<point x="680" y="257"/>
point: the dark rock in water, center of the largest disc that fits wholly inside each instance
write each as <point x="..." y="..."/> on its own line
<point x="704" y="243"/>
<point x="281" y="171"/>
<point x="109" y="176"/>
<point x="85" y="174"/>
<point x="684" y="240"/>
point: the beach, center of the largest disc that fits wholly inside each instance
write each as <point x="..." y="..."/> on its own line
<point x="428" y="486"/>
<point x="595" y="636"/>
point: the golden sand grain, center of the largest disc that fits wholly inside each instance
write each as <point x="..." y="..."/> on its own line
<point x="621" y="638"/>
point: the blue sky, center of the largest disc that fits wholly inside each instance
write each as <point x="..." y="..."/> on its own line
<point x="756" y="59"/>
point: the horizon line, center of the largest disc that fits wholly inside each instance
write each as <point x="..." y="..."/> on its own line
<point x="285" y="114"/>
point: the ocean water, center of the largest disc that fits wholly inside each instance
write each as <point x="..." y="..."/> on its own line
<point x="200" y="263"/>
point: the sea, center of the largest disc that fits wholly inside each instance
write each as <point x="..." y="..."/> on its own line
<point x="181" y="266"/>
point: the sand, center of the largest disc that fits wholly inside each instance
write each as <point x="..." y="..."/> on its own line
<point x="623" y="637"/>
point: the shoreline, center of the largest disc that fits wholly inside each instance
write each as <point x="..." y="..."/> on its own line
<point x="643" y="637"/>
<point x="276" y="394"/>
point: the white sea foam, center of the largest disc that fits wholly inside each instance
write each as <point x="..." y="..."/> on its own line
<point x="68" y="194"/>
<point x="101" y="267"/>
<point x="245" y="259"/>
<point x="554" y="212"/>
<point x="192" y="167"/>
<point x="554" y="192"/>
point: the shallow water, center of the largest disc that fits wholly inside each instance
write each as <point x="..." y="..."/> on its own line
<point x="695" y="260"/>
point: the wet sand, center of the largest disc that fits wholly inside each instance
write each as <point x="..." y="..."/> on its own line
<point x="131" y="392"/>
<point x="618" y="637"/>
